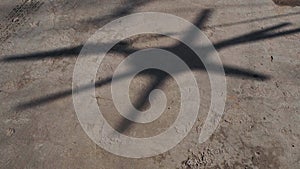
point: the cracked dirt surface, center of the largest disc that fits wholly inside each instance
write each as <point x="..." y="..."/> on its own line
<point x="40" y="44"/>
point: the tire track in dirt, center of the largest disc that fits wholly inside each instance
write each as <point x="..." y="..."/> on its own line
<point x="18" y="17"/>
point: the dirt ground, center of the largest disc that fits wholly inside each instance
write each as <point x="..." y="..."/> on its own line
<point x="257" y="41"/>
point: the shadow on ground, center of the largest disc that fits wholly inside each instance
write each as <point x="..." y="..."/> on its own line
<point x="181" y="50"/>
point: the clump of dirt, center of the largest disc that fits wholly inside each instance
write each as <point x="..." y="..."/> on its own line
<point x="202" y="159"/>
<point x="287" y="2"/>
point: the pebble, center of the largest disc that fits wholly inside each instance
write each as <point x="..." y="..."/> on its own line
<point x="10" y="131"/>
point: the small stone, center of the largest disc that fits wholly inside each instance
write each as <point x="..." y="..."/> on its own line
<point x="34" y="24"/>
<point x="272" y="58"/>
<point x="10" y="131"/>
<point x="16" y="19"/>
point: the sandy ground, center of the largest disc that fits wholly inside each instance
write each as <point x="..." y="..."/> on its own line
<point x="40" y="41"/>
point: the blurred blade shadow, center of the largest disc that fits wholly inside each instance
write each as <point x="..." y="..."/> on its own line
<point x="187" y="57"/>
<point x="251" y="20"/>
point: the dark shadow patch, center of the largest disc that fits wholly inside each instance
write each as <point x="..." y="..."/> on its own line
<point x="287" y="2"/>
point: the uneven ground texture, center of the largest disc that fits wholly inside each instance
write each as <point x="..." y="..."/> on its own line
<point x="258" y="42"/>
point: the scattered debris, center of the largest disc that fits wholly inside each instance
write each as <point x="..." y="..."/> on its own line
<point x="191" y="163"/>
<point x="200" y="159"/>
